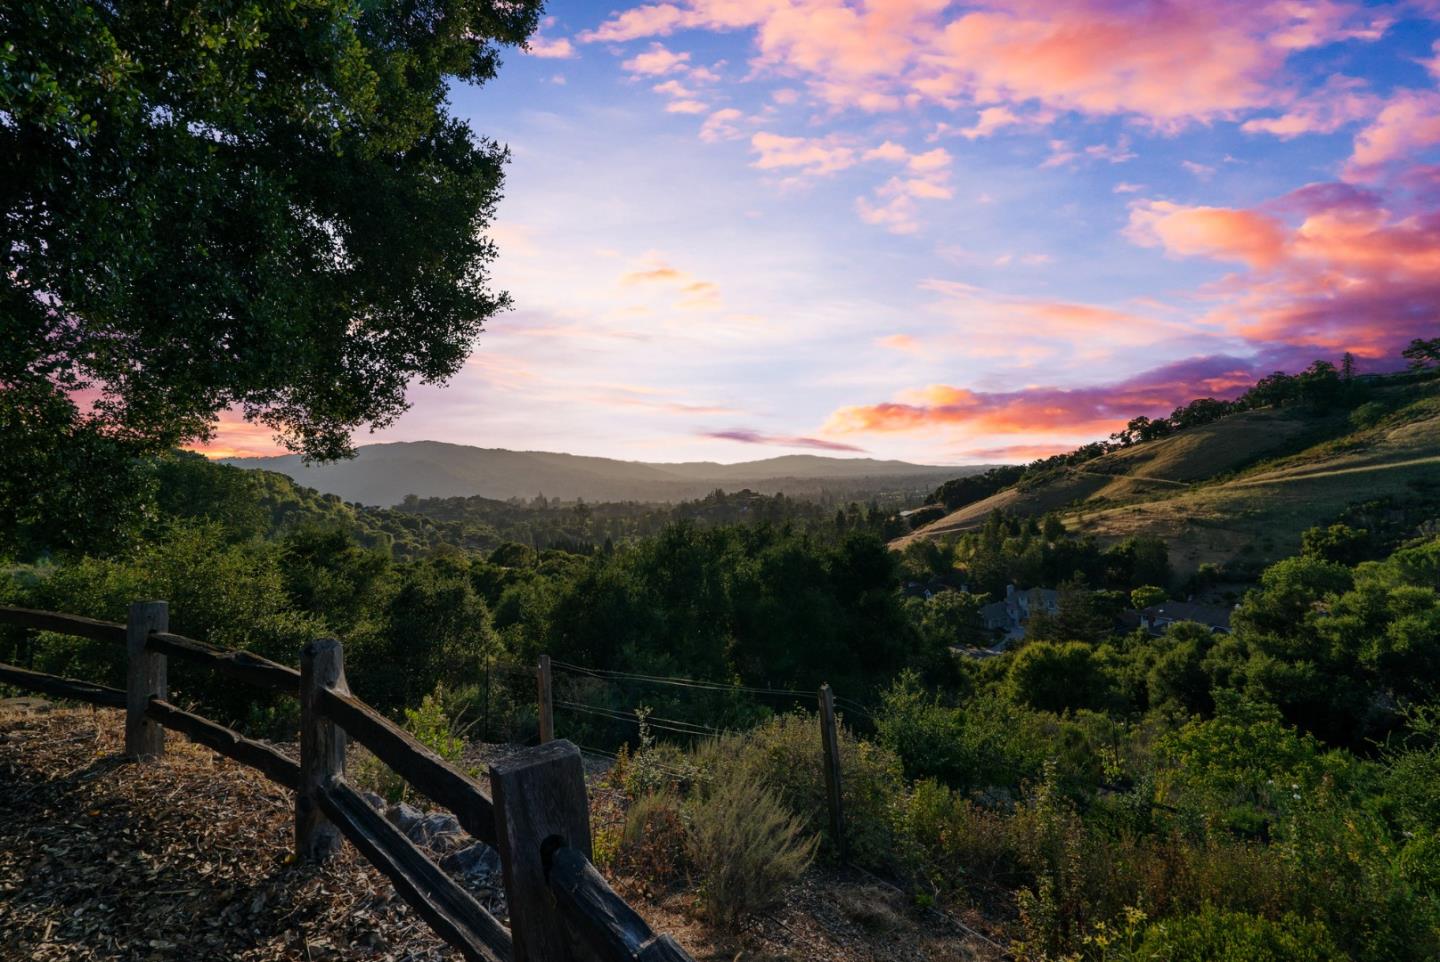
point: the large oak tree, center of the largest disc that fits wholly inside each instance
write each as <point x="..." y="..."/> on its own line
<point x="233" y="203"/>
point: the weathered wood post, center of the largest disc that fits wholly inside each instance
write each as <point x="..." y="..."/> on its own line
<point x="830" y="740"/>
<point x="547" y="705"/>
<point x="145" y="676"/>
<point x="322" y="748"/>
<point x="540" y="805"/>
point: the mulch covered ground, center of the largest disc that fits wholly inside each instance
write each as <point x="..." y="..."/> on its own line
<point x="184" y="858"/>
<point x="188" y="858"/>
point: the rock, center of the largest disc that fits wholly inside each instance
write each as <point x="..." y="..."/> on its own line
<point x="438" y="830"/>
<point x="475" y="860"/>
<point x="376" y="802"/>
<point x="403" y="817"/>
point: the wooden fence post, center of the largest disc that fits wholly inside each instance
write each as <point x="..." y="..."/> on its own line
<point x="144" y="676"/>
<point x="830" y="740"/>
<point x="540" y="804"/>
<point x="322" y="748"/>
<point x="547" y="704"/>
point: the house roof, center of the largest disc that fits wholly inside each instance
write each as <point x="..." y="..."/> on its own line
<point x="1216" y="616"/>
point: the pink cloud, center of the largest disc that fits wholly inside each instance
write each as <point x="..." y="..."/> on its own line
<point x="1178" y="63"/>
<point x="1004" y="322"/>
<point x="1407" y="124"/>
<point x="656" y="61"/>
<point x="1341" y="101"/>
<point x="990" y="120"/>
<point x="722" y="125"/>
<point x="1016" y="453"/>
<point x="785" y="441"/>
<point x="1330" y="266"/>
<point x="1065" y="412"/>
<point x="558" y="49"/>
<point x="812" y="155"/>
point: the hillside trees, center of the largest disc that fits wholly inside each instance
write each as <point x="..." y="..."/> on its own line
<point x="1422" y="352"/>
<point x="266" y="207"/>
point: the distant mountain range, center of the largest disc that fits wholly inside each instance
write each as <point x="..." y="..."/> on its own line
<point x="383" y="474"/>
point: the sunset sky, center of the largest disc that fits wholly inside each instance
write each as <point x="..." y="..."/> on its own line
<point x="942" y="232"/>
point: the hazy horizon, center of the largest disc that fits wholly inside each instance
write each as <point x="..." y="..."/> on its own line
<point x="220" y="456"/>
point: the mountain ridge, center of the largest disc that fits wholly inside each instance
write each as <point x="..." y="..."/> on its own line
<point x="383" y="474"/>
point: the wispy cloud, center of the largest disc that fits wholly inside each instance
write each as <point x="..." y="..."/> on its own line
<point x="747" y="436"/>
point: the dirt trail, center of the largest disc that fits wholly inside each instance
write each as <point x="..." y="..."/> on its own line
<point x="1281" y="477"/>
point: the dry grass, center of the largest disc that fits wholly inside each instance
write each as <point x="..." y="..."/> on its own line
<point x="1235" y="486"/>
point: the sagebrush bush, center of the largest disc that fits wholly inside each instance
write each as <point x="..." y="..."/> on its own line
<point x="785" y="754"/>
<point x="654" y="842"/>
<point x="745" y="844"/>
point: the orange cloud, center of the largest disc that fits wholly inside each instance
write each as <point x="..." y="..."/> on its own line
<point x="662" y="273"/>
<point x="235" y="437"/>
<point x="899" y="342"/>
<point x="695" y="294"/>
<point x="1223" y="233"/>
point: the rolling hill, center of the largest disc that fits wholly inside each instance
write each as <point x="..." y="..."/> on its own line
<point x="1245" y="487"/>
<point x="383" y="474"/>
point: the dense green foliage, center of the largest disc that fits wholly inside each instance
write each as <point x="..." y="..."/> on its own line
<point x="1097" y="790"/>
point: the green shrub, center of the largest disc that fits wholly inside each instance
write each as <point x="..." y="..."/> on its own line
<point x="952" y="842"/>
<point x="655" y="767"/>
<point x="1216" y="936"/>
<point x="785" y="754"/>
<point x="988" y="741"/>
<point x="745" y="845"/>
<point x="1059" y="676"/>
<point x="433" y="728"/>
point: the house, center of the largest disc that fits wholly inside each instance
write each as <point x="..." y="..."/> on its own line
<point x="1009" y="616"/>
<point x="1215" y="617"/>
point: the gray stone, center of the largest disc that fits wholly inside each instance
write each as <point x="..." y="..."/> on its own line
<point x="438" y="829"/>
<point x="403" y="817"/>
<point x="376" y="802"/>
<point x="472" y="861"/>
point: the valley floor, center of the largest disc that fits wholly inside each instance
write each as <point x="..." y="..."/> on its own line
<point x="189" y="859"/>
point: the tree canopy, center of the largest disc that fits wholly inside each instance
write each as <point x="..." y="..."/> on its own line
<point x="259" y="206"/>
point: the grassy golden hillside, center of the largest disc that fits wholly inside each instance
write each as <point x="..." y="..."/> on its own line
<point x="1244" y="486"/>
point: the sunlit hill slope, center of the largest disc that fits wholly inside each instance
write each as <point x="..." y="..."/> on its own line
<point x="1243" y="488"/>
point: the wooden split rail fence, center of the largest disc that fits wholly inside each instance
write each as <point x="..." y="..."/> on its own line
<point x="536" y="812"/>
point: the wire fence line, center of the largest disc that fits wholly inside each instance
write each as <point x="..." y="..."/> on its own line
<point x="623" y="679"/>
<point x="638" y="718"/>
<point x="679" y="682"/>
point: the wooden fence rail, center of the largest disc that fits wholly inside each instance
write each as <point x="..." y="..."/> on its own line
<point x="561" y="908"/>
